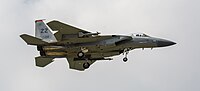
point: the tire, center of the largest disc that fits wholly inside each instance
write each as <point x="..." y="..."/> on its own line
<point x="80" y="54"/>
<point x="86" y="65"/>
<point x="125" y="59"/>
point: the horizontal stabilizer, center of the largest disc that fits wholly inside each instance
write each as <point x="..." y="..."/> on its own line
<point x="30" y="40"/>
<point x="43" y="61"/>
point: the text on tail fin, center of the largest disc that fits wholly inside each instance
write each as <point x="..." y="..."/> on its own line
<point x="42" y="31"/>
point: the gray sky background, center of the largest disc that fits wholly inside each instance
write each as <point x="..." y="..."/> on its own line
<point x="174" y="68"/>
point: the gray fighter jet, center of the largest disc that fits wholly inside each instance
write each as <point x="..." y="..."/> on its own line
<point x="83" y="48"/>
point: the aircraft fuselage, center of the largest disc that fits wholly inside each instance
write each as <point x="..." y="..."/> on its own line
<point x="110" y="46"/>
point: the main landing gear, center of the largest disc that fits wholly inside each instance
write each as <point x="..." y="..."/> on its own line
<point x="86" y="65"/>
<point x="80" y="54"/>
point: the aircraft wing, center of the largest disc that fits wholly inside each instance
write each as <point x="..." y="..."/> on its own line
<point x="64" y="28"/>
<point x="78" y="64"/>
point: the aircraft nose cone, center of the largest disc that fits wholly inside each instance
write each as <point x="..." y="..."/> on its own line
<point x="163" y="43"/>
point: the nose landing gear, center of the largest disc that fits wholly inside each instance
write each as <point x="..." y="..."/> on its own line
<point x="126" y="51"/>
<point x="125" y="59"/>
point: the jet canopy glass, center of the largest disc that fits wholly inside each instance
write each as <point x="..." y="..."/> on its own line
<point x="140" y="35"/>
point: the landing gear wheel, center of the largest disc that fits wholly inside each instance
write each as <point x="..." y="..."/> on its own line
<point x="126" y="51"/>
<point x="125" y="59"/>
<point x="80" y="54"/>
<point x="86" y="65"/>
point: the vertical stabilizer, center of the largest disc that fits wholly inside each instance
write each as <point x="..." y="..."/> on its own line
<point x="42" y="31"/>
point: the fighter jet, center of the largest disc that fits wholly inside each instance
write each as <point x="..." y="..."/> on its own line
<point x="82" y="48"/>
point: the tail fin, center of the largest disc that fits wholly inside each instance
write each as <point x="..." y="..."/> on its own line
<point x="42" y="31"/>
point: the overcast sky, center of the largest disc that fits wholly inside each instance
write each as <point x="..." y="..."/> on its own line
<point x="174" y="68"/>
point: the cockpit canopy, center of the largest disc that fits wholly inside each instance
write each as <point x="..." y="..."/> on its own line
<point x="140" y="35"/>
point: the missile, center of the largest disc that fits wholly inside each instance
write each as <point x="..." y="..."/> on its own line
<point x="80" y="34"/>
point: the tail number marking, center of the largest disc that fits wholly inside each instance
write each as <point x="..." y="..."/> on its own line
<point x="44" y="30"/>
